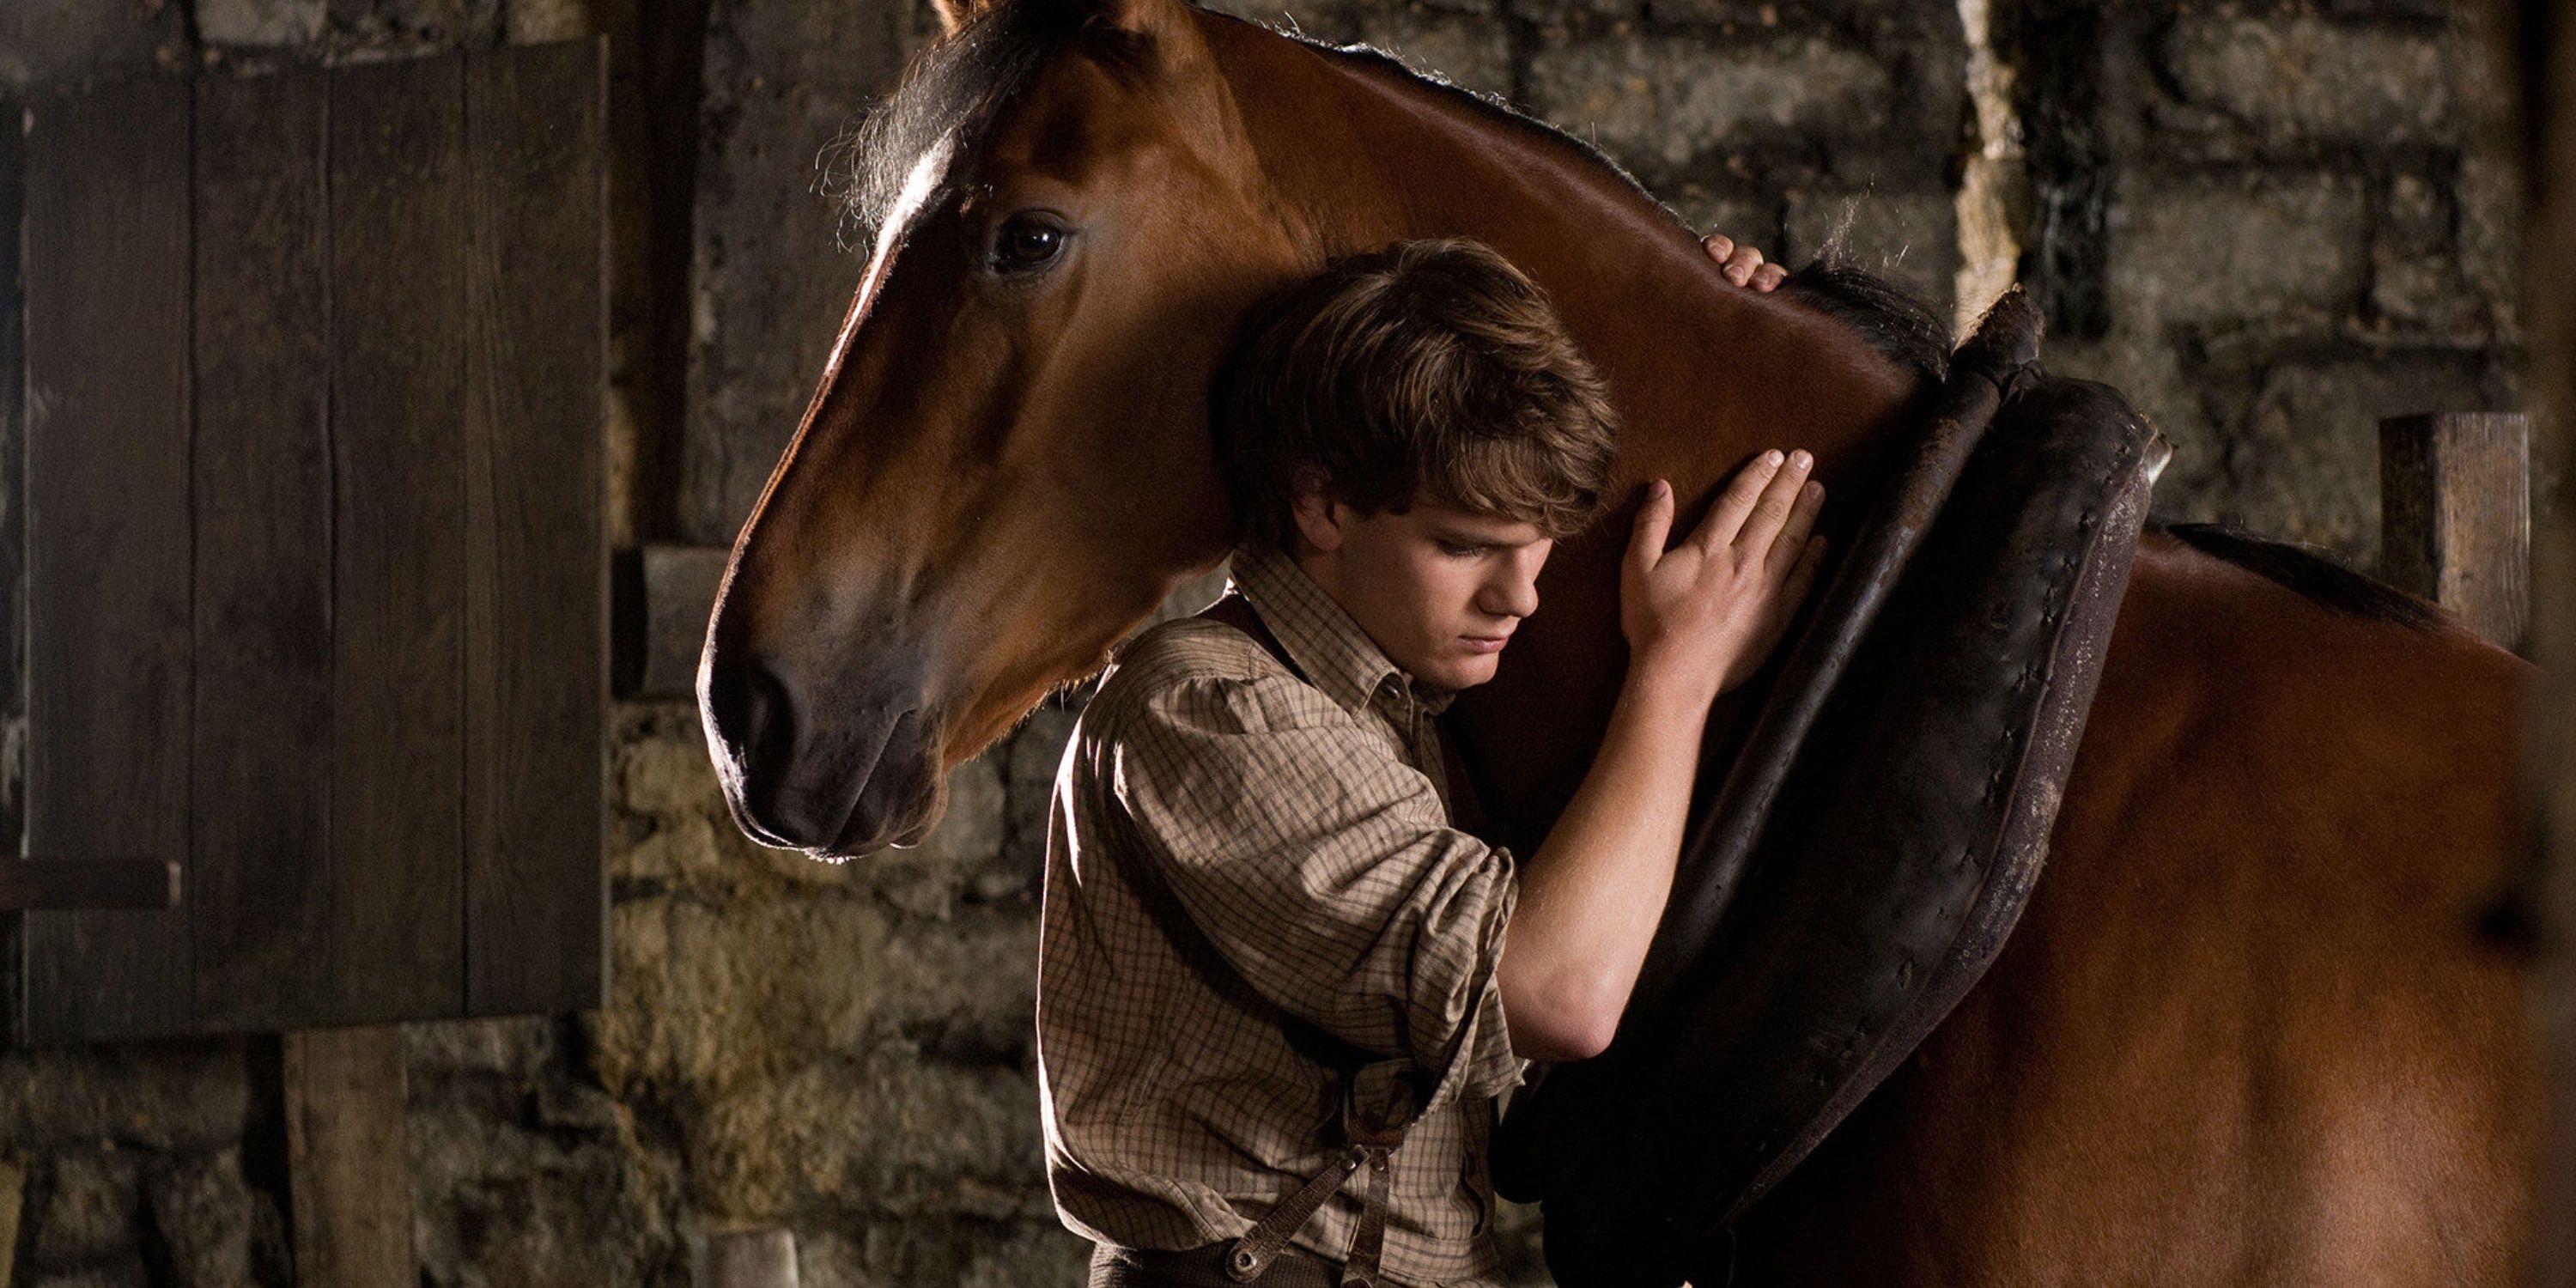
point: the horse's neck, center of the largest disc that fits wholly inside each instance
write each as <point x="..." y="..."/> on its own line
<point x="1359" y="153"/>
<point x="1704" y="373"/>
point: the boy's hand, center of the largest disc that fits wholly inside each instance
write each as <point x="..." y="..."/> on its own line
<point x="1742" y="265"/>
<point x="1704" y="614"/>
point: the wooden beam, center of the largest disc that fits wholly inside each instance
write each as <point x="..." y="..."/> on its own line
<point x="88" y="883"/>
<point x="2548" y="69"/>
<point x="2455" y="506"/>
<point x="679" y="594"/>
<point x="348" y="1157"/>
<point x="13" y="1197"/>
<point x="749" y="1259"/>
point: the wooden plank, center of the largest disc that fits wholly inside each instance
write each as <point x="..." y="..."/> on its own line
<point x="748" y="1259"/>
<point x="348" y="1164"/>
<point x="13" y="458"/>
<point x="88" y="883"/>
<point x="260" y="896"/>
<point x="13" y="1200"/>
<point x="680" y="585"/>
<point x="536" y="565"/>
<point x="2455" y="505"/>
<point x="108" y="599"/>
<point x="398" y="388"/>
<point x="2549" y="75"/>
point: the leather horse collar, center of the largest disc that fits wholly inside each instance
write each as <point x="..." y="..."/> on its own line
<point x="1872" y="846"/>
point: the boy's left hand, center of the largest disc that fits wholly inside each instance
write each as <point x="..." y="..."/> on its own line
<point x="1742" y="265"/>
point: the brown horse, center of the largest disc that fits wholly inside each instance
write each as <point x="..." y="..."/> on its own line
<point x="2242" y="1034"/>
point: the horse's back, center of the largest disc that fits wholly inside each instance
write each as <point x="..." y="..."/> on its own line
<point x="2248" y="1007"/>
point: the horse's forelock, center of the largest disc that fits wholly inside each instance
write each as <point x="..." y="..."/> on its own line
<point x="952" y="95"/>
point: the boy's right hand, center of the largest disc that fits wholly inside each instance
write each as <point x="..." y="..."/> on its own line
<point x="1704" y="614"/>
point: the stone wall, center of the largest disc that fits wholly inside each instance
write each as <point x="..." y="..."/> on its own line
<point x="2272" y="227"/>
<point x="2270" y="224"/>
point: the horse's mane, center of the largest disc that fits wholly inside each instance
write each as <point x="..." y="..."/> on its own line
<point x="2313" y="573"/>
<point x="1901" y="328"/>
<point x="953" y="93"/>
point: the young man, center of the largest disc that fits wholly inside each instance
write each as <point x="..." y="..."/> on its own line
<point x="1278" y="990"/>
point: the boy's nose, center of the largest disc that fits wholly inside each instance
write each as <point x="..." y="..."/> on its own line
<point x="1511" y="596"/>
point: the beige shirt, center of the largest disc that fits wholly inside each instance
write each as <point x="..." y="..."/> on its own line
<point x="1251" y="886"/>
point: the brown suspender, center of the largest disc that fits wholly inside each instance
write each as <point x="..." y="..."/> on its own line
<point x="1368" y="1150"/>
<point x="1369" y="1145"/>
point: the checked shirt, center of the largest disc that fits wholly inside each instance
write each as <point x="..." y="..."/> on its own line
<point x="1252" y="885"/>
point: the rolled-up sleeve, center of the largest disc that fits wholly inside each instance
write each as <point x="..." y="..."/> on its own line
<point x="1323" y="870"/>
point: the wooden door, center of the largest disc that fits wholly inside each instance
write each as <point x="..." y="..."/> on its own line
<point x="316" y="557"/>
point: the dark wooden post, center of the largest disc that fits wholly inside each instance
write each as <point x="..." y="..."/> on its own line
<point x="346" y="1144"/>
<point x="13" y="1197"/>
<point x="749" y="1259"/>
<point x="2455" y="516"/>
<point x="2548" y="68"/>
<point x="88" y="883"/>
<point x="678" y="590"/>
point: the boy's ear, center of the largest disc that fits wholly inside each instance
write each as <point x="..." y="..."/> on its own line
<point x="1310" y="502"/>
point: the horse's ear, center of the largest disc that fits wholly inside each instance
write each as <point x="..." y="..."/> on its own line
<point x="1149" y="18"/>
<point x="1157" y="20"/>
<point x="954" y="14"/>
<point x="1134" y="15"/>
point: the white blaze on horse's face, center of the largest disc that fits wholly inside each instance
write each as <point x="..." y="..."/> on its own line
<point x="1006" y="465"/>
<point x="917" y="189"/>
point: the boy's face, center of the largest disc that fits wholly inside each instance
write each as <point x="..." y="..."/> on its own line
<point x="1439" y="589"/>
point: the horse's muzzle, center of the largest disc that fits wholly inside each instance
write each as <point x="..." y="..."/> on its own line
<point x="793" y="782"/>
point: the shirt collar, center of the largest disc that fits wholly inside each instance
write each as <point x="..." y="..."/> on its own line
<point x="1320" y="635"/>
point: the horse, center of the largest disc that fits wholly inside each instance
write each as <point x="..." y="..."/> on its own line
<point x="2244" y="1031"/>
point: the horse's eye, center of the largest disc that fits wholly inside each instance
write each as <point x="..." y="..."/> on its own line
<point x="1026" y="242"/>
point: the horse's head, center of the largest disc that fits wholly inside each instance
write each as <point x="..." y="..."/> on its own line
<point x="1007" y="464"/>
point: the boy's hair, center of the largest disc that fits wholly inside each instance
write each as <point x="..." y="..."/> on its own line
<point x="1429" y="370"/>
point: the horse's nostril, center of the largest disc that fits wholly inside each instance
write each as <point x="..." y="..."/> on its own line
<point x="753" y="722"/>
<point x="750" y="709"/>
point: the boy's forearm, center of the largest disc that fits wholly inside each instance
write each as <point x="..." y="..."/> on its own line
<point x="1591" y="895"/>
